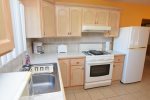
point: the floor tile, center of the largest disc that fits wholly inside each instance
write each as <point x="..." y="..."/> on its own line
<point x="117" y="91"/>
<point x="70" y="96"/>
<point x="95" y="94"/>
<point x="107" y="92"/>
<point x="82" y="96"/>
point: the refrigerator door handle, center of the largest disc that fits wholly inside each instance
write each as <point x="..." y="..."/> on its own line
<point x="138" y="48"/>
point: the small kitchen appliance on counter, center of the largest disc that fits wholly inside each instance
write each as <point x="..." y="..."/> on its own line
<point x="62" y="48"/>
<point x="38" y="48"/>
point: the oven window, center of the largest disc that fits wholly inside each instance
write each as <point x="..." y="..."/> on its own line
<point x="99" y="70"/>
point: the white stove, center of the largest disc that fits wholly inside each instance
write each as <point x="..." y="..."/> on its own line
<point x="98" y="69"/>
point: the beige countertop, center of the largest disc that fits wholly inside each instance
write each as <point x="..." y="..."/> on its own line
<point x="51" y="58"/>
<point x="13" y="84"/>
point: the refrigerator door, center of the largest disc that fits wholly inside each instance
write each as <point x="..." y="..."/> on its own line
<point x="133" y="66"/>
<point x="139" y="37"/>
<point x="143" y="37"/>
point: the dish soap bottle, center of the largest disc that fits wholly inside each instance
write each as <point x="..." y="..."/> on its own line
<point x="27" y="60"/>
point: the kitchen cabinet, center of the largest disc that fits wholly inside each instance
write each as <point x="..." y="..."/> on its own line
<point x="65" y="71"/>
<point x="69" y="21"/>
<point x="102" y="17"/>
<point x="89" y="16"/>
<point x="72" y="71"/>
<point x="114" y="20"/>
<point x="6" y="32"/>
<point x="95" y="16"/>
<point x="118" y="67"/>
<point x="77" y="75"/>
<point x="48" y="19"/>
<point x="39" y="18"/>
<point x="77" y="71"/>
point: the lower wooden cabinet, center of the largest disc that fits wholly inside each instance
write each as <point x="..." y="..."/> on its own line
<point x="77" y="75"/>
<point x="118" y="67"/>
<point x="65" y="71"/>
<point x="117" y="71"/>
<point x="72" y="71"/>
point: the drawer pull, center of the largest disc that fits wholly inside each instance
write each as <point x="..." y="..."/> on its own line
<point x="78" y="62"/>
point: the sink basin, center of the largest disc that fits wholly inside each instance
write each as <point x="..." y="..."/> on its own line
<point x="45" y="83"/>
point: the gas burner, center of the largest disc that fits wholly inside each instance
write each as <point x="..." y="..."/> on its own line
<point x="95" y="52"/>
<point x="87" y="53"/>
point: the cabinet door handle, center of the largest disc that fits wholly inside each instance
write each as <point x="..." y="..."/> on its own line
<point x="78" y="62"/>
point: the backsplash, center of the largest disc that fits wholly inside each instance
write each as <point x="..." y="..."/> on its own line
<point x="14" y="65"/>
<point x="73" y="43"/>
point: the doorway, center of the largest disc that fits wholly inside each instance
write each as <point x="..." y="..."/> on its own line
<point x="146" y="23"/>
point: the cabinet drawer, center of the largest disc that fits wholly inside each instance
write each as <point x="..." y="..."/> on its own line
<point x="119" y="58"/>
<point x="77" y="61"/>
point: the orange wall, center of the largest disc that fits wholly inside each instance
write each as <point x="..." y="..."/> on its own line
<point x="131" y="14"/>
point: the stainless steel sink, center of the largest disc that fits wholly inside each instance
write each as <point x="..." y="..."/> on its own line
<point x="45" y="82"/>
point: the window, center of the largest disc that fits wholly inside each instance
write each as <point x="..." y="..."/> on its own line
<point x="17" y="12"/>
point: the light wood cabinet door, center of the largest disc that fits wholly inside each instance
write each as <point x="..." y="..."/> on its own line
<point x="102" y="17"/>
<point x="75" y="21"/>
<point x="6" y="32"/>
<point x="65" y="71"/>
<point x="48" y="11"/>
<point x="114" y="20"/>
<point x="77" y="75"/>
<point x="117" y="71"/>
<point x="33" y="18"/>
<point x="62" y="15"/>
<point x="89" y="16"/>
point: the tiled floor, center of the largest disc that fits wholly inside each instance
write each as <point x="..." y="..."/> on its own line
<point x="117" y="91"/>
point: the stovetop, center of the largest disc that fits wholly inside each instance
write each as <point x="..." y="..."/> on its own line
<point x="95" y="53"/>
<point x="98" y="56"/>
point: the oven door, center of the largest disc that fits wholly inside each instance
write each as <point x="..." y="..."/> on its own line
<point x="98" y="71"/>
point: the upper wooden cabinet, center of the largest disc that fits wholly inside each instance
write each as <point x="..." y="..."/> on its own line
<point x="89" y="16"/>
<point x="6" y="32"/>
<point x="39" y="18"/>
<point x="102" y="17"/>
<point x="48" y="19"/>
<point x="114" y="21"/>
<point x="95" y="16"/>
<point x="69" y="21"/>
<point x="62" y="21"/>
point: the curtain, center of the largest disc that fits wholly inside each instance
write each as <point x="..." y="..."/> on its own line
<point x="17" y="14"/>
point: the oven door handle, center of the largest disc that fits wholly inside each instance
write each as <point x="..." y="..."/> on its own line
<point x="101" y="62"/>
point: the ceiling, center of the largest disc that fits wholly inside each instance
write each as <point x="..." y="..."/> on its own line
<point x="135" y="1"/>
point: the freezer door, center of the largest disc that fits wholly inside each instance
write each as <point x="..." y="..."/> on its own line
<point x="133" y="66"/>
<point x="139" y="37"/>
<point x="143" y="37"/>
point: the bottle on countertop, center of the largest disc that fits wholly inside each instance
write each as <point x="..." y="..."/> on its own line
<point x="27" y="60"/>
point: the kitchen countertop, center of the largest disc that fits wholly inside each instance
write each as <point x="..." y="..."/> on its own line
<point x="51" y="58"/>
<point x="117" y="53"/>
<point x="13" y="84"/>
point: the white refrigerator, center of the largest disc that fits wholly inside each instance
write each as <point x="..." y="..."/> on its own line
<point x="132" y="41"/>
